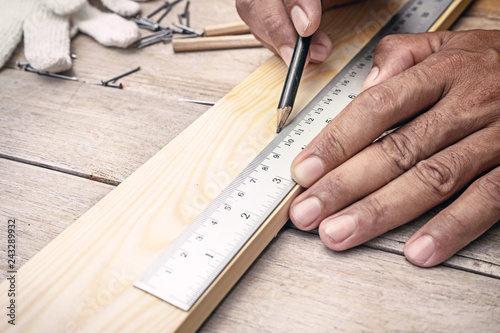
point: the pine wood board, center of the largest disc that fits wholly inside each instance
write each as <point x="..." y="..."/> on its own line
<point x="360" y="290"/>
<point x="43" y="202"/>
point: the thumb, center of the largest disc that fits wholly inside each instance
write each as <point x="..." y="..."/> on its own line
<point x="396" y="53"/>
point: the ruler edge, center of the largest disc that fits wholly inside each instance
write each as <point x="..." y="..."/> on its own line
<point x="224" y="282"/>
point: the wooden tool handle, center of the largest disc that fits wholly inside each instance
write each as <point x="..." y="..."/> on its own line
<point x="234" y="28"/>
<point x="214" y="43"/>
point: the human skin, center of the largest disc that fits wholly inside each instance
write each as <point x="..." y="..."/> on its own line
<point x="442" y="89"/>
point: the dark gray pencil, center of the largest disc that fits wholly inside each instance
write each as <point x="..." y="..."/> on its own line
<point x="292" y="81"/>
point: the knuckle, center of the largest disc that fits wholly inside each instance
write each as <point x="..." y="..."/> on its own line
<point x="489" y="187"/>
<point x="439" y="175"/>
<point x="329" y="147"/>
<point x="388" y="43"/>
<point x="243" y="7"/>
<point x="273" y="24"/>
<point x="379" y="99"/>
<point x="330" y="190"/>
<point x="375" y="210"/>
<point x="451" y="227"/>
<point x="398" y="148"/>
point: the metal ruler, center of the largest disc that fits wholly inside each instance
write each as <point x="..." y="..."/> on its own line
<point x="192" y="262"/>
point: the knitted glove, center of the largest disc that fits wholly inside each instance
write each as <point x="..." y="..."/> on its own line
<point x="46" y="28"/>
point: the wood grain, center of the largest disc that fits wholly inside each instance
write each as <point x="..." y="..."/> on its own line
<point x="43" y="203"/>
<point x="215" y="43"/>
<point x="485" y="8"/>
<point x="359" y="290"/>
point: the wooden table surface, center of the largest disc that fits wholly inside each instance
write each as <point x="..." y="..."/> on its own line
<point x="65" y="145"/>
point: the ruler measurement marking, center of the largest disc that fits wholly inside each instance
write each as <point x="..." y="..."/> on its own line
<point x="181" y="279"/>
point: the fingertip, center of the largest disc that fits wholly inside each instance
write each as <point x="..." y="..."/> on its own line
<point x="321" y="47"/>
<point x="308" y="171"/>
<point x="305" y="213"/>
<point x="421" y="250"/>
<point x="300" y="20"/>
<point x="286" y="53"/>
<point x="371" y="79"/>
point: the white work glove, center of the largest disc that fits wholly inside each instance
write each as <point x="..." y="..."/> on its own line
<point x="48" y="25"/>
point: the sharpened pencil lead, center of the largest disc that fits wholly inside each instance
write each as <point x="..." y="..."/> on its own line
<point x="282" y="115"/>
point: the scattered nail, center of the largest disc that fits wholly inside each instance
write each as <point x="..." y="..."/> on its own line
<point x="186" y="30"/>
<point x="196" y="101"/>
<point x="27" y="67"/>
<point x="109" y="83"/>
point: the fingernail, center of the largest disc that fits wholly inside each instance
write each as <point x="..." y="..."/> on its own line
<point x="319" y="52"/>
<point x="421" y="250"/>
<point x="300" y="20"/>
<point x="340" y="228"/>
<point x="286" y="53"/>
<point x="308" y="171"/>
<point x="370" y="79"/>
<point x="306" y="212"/>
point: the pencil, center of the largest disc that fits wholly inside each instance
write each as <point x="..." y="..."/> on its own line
<point x="292" y="81"/>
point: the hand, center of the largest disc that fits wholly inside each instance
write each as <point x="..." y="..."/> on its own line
<point x="45" y="25"/>
<point x="276" y="24"/>
<point x="444" y="88"/>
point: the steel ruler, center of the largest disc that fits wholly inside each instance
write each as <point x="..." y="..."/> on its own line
<point x="192" y="262"/>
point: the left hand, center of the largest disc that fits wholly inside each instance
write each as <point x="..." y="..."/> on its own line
<point x="444" y="88"/>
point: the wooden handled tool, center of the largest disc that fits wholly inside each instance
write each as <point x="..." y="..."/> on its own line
<point x="234" y="28"/>
<point x="214" y="43"/>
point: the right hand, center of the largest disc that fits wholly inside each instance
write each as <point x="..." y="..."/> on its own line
<point x="276" y="24"/>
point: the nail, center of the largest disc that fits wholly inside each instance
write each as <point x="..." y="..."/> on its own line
<point x="121" y="75"/>
<point x="370" y="79"/>
<point x="286" y="53"/>
<point x="319" y="52"/>
<point x="340" y="228"/>
<point x="306" y="212"/>
<point x="300" y="20"/>
<point x="421" y="249"/>
<point x="308" y="171"/>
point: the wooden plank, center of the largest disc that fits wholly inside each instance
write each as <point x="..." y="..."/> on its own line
<point x="43" y="203"/>
<point x="298" y="285"/>
<point x="473" y="22"/>
<point x="485" y="8"/>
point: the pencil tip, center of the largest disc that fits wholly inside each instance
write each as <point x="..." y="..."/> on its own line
<point x="281" y="117"/>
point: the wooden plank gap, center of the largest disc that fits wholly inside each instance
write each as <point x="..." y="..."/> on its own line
<point x="62" y="170"/>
